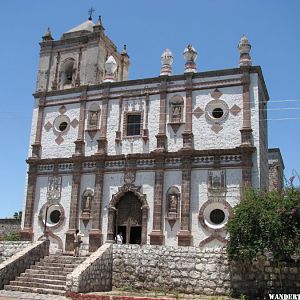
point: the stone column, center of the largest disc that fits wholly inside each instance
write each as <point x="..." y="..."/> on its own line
<point x="111" y="224"/>
<point x="247" y="168"/>
<point x="36" y="147"/>
<point x="95" y="234"/>
<point x="188" y="132"/>
<point x="184" y="235"/>
<point x="161" y="137"/>
<point x="157" y="236"/>
<point x="145" y="210"/>
<point x="102" y="141"/>
<point x="79" y="143"/>
<point x="246" y="131"/>
<point x="27" y="231"/>
<point x="74" y="207"/>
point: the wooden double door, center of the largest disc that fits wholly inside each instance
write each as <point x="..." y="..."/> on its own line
<point x="129" y="219"/>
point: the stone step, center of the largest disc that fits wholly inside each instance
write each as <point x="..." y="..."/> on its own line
<point x="50" y="268"/>
<point x="56" y="264"/>
<point x="64" y="259"/>
<point x="43" y="276"/>
<point x="48" y="272"/>
<point x="38" y="285"/>
<point x="40" y="280"/>
<point x="34" y="290"/>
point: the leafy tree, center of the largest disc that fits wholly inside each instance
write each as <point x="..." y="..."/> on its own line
<point x="265" y="222"/>
<point x="18" y="215"/>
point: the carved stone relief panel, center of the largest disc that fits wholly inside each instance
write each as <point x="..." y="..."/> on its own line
<point x="54" y="188"/>
<point x="216" y="181"/>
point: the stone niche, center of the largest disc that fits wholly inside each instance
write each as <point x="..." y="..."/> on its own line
<point x="172" y="205"/>
<point x="86" y="204"/>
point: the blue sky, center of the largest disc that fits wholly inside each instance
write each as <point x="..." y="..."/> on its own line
<point x="148" y="27"/>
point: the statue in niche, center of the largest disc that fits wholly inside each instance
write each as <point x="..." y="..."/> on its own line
<point x="93" y="119"/>
<point x="173" y="202"/>
<point x="176" y="113"/>
<point x="87" y="202"/>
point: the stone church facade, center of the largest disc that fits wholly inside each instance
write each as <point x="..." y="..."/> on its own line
<point x="162" y="160"/>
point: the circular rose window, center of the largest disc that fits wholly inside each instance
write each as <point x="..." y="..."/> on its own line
<point x="61" y="124"/>
<point x="216" y="111"/>
<point x="52" y="214"/>
<point x="213" y="216"/>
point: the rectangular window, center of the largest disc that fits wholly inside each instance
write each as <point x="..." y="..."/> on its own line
<point x="133" y="124"/>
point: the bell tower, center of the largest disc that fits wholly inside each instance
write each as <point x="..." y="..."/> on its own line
<point x="78" y="58"/>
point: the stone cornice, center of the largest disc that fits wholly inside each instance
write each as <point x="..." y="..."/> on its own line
<point x="214" y="155"/>
<point x="171" y="87"/>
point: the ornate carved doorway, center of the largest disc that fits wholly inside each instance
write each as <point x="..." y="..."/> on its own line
<point x="128" y="213"/>
<point x="129" y="218"/>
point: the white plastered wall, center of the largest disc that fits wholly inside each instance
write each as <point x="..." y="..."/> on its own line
<point x="230" y="136"/>
<point x="50" y="149"/>
<point x="41" y="199"/>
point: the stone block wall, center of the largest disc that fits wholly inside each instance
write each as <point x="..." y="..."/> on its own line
<point x="9" y="248"/>
<point x="264" y="277"/>
<point x="184" y="269"/>
<point x="18" y="263"/>
<point x="9" y="226"/>
<point x="94" y="274"/>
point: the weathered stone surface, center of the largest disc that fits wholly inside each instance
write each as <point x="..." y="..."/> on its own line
<point x="9" y="248"/>
<point x="16" y="264"/>
<point x="94" y="274"/>
<point x="185" y="269"/>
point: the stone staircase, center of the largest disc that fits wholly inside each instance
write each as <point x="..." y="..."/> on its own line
<point x="48" y="276"/>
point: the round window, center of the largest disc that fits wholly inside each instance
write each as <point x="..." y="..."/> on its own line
<point x="217" y="216"/>
<point x="55" y="216"/>
<point x="62" y="126"/>
<point x="217" y="113"/>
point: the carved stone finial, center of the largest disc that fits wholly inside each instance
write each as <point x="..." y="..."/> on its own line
<point x="47" y="36"/>
<point x="244" y="47"/>
<point x="166" y="61"/>
<point x="110" y="68"/>
<point x="190" y="56"/>
<point x="99" y="26"/>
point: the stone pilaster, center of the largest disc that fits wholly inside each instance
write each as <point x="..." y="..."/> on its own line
<point x="27" y="231"/>
<point x="188" y="132"/>
<point x="95" y="234"/>
<point x="161" y="137"/>
<point x="246" y="131"/>
<point x="184" y="235"/>
<point x="36" y="147"/>
<point x="111" y="222"/>
<point x="74" y="207"/>
<point x="247" y="168"/>
<point x="102" y="141"/>
<point x="157" y="236"/>
<point x="79" y="143"/>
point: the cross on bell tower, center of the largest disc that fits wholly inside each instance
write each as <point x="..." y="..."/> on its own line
<point x="91" y="11"/>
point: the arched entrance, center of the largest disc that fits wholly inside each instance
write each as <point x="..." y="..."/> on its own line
<point x="128" y="213"/>
<point x="129" y="219"/>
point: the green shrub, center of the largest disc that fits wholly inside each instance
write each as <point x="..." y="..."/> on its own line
<point x="265" y="222"/>
<point x="11" y="236"/>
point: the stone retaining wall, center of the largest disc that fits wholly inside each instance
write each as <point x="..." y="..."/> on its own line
<point x="9" y="226"/>
<point x="18" y="263"/>
<point x="264" y="277"/>
<point x="184" y="269"/>
<point x="9" y="248"/>
<point x="94" y="274"/>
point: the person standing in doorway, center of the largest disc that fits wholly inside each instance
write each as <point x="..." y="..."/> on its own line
<point x="119" y="238"/>
<point x="77" y="242"/>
